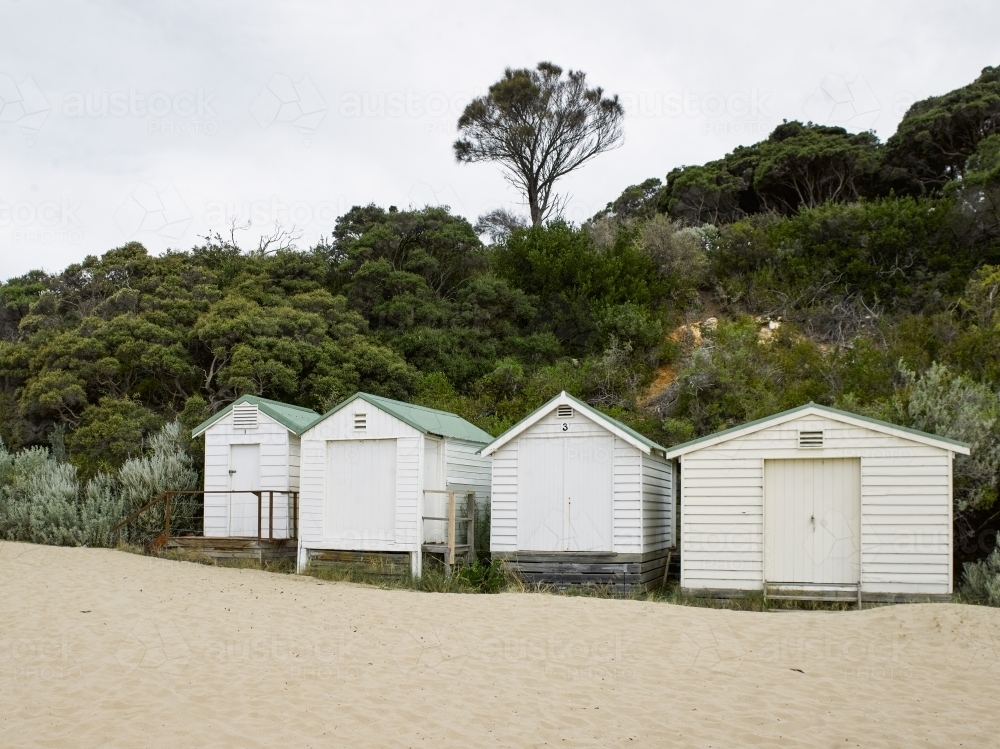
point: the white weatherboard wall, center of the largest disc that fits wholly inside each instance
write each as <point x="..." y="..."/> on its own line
<point x="638" y="503"/>
<point x="905" y="492"/>
<point x="278" y="472"/>
<point x="457" y="466"/>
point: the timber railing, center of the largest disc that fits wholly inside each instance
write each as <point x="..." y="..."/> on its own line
<point x="181" y="517"/>
<point x="450" y="545"/>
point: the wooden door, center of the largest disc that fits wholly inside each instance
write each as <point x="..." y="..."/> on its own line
<point x="361" y="490"/>
<point x="541" y="503"/>
<point x="589" y="489"/>
<point x="244" y="474"/>
<point x="812" y="521"/>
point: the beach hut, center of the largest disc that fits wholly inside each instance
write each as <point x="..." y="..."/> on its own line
<point x="815" y="502"/>
<point x="374" y="468"/>
<point x="252" y="461"/>
<point x="579" y="497"/>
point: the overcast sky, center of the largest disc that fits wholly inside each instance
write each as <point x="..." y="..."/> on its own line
<point x="162" y="122"/>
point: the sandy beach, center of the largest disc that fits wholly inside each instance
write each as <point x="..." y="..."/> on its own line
<point x="100" y="648"/>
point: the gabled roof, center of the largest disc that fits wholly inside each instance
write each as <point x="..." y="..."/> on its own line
<point x="565" y="399"/>
<point x="295" y="418"/>
<point x="813" y="409"/>
<point x="423" y="419"/>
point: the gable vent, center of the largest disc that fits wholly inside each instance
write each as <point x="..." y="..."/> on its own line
<point x="245" y="416"/>
<point x="564" y="412"/>
<point x="360" y="422"/>
<point x="811" y="439"/>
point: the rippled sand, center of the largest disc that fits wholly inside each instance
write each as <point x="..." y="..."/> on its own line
<point x="103" y="648"/>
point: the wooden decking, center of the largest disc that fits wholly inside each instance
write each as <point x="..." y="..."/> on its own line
<point x="387" y="563"/>
<point x="234" y="548"/>
<point x="621" y="572"/>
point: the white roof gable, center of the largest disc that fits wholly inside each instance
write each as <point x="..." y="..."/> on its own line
<point x="565" y="399"/>
<point x="812" y="409"/>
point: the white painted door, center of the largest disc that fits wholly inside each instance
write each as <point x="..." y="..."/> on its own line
<point x="435" y="505"/>
<point x="565" y="492"/>
<point x="812" y="521"/>
<point x="541" y="500"/>
<point x="589" y="482"/>
<point x="361" y="490"/>
<point x="244" y="474"/>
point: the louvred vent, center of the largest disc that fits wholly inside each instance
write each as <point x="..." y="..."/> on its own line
<point x="811" y="439"/>
<point x="245" y="416"/>
<point x="360" y="422"/>
<point x="564" y="412"/>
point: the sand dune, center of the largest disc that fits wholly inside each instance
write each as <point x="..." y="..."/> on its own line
<point x="103" y="648"/>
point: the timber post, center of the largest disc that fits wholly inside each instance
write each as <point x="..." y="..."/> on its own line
<point x="166" y="516"/>
<point x="449" y="555"/>
<point x="470" y="538"/>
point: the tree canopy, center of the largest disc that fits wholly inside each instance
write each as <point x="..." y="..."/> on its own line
<point x="539" y="126"/>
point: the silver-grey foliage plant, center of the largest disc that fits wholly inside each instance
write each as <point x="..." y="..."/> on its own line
<point x="43" y="501"/>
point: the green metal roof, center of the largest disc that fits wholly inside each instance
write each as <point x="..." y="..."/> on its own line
<point x="421" y="418"/>
<point x="625" y="428"/>
<point x="828" y="409"/>
<point x="295" y="418"/>
<point x="590" y="409"/>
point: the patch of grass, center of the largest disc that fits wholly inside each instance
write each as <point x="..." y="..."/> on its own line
<point x="495" y="577"/>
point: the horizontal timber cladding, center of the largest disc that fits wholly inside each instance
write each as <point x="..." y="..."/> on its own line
<point x="622" y="572"/>
<point x="657" y="503"/>
<point x="468" y="471"/>
<point x="503" y="516"/>
<point x="278" y="471"/>
<point x="905" y="507"/>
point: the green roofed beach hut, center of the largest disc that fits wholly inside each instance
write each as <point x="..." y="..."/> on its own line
<point x="816" y="502"/>
<point x="376" y="474"/>
<point x="579" y="497"/>
<point x="252" y="468"/>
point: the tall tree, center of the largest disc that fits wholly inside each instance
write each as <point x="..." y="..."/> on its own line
<point x="539" y="126"/>
<point x="937" y="135"/>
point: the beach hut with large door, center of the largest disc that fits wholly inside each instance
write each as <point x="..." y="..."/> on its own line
<point x="252" y="468"/>
<point x="815" y="502"/>
<point x="373" y="468"/>
<point x="578" y="497"/>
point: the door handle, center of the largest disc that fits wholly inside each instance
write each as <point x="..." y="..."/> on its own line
<point x="812" y="519"/>
<point x="232" y="470"/>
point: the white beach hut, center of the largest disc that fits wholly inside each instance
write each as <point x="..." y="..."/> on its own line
<point x="374" y="467"/>
<point x="579" y="497"/>
<point x="817" y="503"/>
<point x="252" y="448"/>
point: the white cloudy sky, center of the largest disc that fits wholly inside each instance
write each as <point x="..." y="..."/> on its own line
<point x="159" y="122"/>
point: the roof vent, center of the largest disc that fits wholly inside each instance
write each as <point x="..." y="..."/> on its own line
<point x="245" y="416"/>
<point x="360" y="422"/>
<point x="811" y="439"/>
<point x="564" y="412"/>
